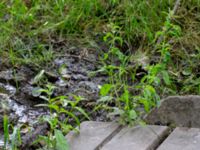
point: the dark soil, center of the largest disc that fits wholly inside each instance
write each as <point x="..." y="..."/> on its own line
<point x="71" y="73"/>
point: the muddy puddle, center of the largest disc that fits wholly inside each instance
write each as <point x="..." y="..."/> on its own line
<point x="69" y="74"/>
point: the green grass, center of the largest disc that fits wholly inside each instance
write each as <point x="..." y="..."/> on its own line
<point x="185" y="53"/>
<point x="30" y="28"/>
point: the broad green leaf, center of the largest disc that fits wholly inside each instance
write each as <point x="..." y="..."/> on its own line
<point x="36" y="91"/>
<point x="61" y="141"/>
<point x="105" y="89"/>
<point x="132" y="114"/>
<point x="55" y="107"/>
<point x="150" y="88"/>
<point x="146" y="104"/>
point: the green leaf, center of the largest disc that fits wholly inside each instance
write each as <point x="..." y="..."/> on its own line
<point x="150" y="88"/>
<point x="125" y="98"/>
<point x="146" y="104"/>
<point x="107" y="37"/>
<point x="118" y="39"/>
<point x="82" y="112"/>
<point x="55" y="107"/>
<point x="187" y="72"/>
<point x="44" y="98"/>
<point x="71" y="115"/>
<point x="156" y="80"/>
<point x="36" y="91"/>
<point x="105" y="56"/>
<point x="66" y="128"/>
<point x="118" y="53"/>
<point x="38" y="77"/>
<point x="167" y="57"/>
<point x="6" y="130"/>
<point x="53" y="121"/>
<point x="61" y="141"/>
<point x="166" y="77"/>
<point x="105" y="89"/>
<point x="132" y="114"/>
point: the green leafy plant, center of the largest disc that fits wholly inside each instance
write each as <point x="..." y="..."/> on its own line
<point x="128" y="102"/>
<point x="117" y="90"/>
<point x="57" y="141"/>
<point x="60" y="106"/>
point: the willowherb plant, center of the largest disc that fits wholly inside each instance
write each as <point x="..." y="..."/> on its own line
<point x="59" y="106"/>
<point x="126" y="103"/>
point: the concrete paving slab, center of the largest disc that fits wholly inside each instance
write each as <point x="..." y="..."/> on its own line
<point x="182" y="139"/>
<point x="137" y="138"/>
<point x="91" y="135"/>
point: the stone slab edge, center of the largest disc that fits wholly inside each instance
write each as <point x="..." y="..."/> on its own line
<point x="182" y="138"/>
<point x="161" y="136"/>
<point x="74" y="138"/>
